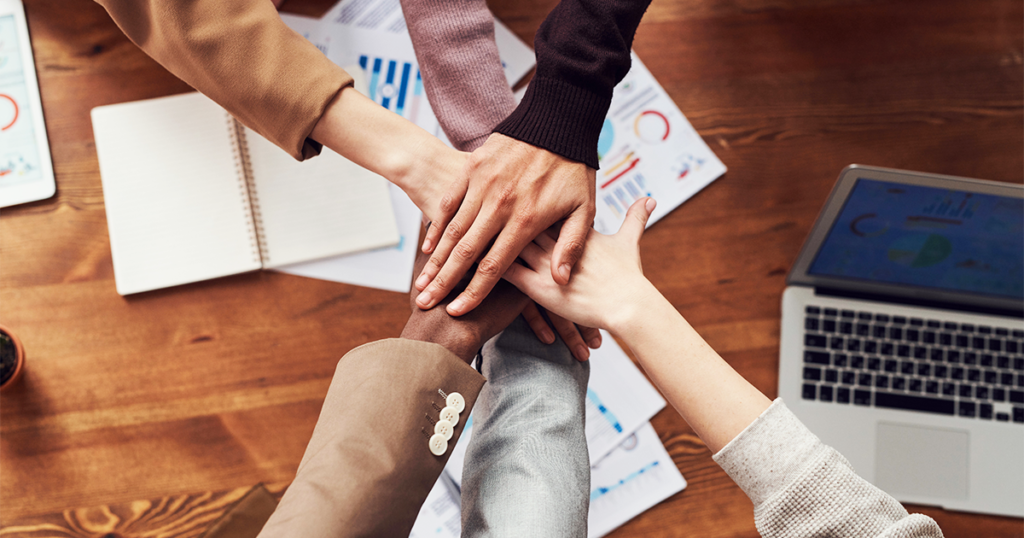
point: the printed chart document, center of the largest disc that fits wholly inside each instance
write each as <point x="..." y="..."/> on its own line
<point x="517" y="58"/>
<point x="191" y="194"/>
<point x="440" y="516"/>
<point x="619" y="398"/>
<point x="648" y="148"/>
<point x="632" y="478"/>
<point x="620" y="404"/>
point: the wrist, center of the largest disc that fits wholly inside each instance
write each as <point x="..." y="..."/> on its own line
<point x="462" y="344"/>
<point x="642" y="302"/>
<point x="426" y="172"/>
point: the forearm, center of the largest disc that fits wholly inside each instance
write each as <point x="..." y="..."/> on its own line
<point x="716" y="401"/>
<point x="387" y="144"/>
<point x="462" y="74"/>
<point x="240" y="54"/>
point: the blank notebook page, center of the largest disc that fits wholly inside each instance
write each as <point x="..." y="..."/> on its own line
<point x="323" y="206"/>
<point x="175" y="202"/>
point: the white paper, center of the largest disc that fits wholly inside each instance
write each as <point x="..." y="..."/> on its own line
<point x="619" y="398"/>
<point x="387" y="268"/>
<point x="517" y="59"/>
<point x="440" y="515"/>
<point x="648" y="148"/>
<point x="307" y="27"/>
<point x="633" y="478"/>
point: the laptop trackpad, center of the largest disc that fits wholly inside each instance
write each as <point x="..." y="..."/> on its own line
<point x="919" y="461"/>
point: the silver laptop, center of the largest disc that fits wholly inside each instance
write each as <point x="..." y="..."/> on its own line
<point x="902" y="339"/>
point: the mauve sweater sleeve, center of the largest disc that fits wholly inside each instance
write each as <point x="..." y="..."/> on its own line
<point x="582" y="53"/>
<point x="461" y="70"/>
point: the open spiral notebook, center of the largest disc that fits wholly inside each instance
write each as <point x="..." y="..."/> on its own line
<point x="191" y="194"/>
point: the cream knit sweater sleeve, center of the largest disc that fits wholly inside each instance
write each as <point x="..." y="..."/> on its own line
<point x="802" y="487"/>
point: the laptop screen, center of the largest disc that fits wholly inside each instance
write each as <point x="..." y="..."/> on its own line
<point x="896" y="233"/>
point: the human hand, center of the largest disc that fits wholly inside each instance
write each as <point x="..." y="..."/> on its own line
<point x="464" y="335"/>
<point x="510" y="192"/>
<point x="609" y="285"/>
<point x="576" y="337"/>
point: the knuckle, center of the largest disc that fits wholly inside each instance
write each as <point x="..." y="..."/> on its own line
<point x="454" y="231"/>
<point x="488" y="268"/>
<point x="440" y="283"/>
<point x="574" y="249"/>
<point x="524" y="218"/>
<point x="436" y="262"/>
<point x="464" y="251"/>
<point x="449" y="203"/>
<point x="507" y="197"/>
<point x="472" y="295"/>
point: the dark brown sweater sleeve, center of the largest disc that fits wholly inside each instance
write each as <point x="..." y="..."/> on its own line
<point x="240" y="54"/>
<point x="582" y="53"/>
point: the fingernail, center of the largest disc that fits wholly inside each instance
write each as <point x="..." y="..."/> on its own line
<point x="422" y="282"/>
<point x="423" y="299"/>
<point x="456" y="307"/>
<point x="595" y="342"/>
<point x="650" y="204"/>
<point x="426" y="245"/>
<point x="582" y="353"/>
<point x="564" y="270"/>
<point x="548" y="337"/>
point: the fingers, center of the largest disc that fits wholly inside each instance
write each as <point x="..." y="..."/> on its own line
<point x="567" y="330"/>
<point x="453" y="234"/>
<point x="506" y="248"/>
<point x="636" y="219"/>
<point x="535" y="256"/>
<point x="459" y="262"/>
<point x="546" y="240"/>
<point x="448" y="207"/>
<point x="537" y="322"/>
<point x="591" y="335"/>
<point x="569" y="247"/>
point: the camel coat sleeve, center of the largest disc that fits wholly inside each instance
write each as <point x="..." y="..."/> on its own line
<point x="368" y="466"/>
<point x="240" y="54"/>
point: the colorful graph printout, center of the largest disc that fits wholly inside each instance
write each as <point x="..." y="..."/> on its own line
<point x="648" y="148"/>
<point x="20" y="160"/>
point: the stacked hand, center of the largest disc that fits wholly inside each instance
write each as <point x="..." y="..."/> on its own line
<point x="507" y="194"/>
<point x="464" y="335"/>
<point x="608" y="283"/>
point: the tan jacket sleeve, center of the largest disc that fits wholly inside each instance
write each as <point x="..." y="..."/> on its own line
<point x="368" y="468"/>
<point x="240" y="54"/>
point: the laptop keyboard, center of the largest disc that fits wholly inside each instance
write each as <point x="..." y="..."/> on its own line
<point x="872" y="359"/>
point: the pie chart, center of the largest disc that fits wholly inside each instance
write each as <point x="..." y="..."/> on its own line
<point x="8" y="111"/>
<point x="920" y="250"/>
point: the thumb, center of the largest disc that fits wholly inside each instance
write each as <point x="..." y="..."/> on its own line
<point x="636" y="219"/>
<point x="569" y="248"/>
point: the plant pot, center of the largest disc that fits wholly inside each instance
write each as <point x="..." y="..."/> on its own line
<point x="12" y="358"/>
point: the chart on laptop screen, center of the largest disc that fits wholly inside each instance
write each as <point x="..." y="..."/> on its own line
<point x="929" y="237"/>
<point x="19" y="153"/>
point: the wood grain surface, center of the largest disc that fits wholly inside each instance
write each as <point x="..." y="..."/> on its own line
<point x="148" y="415"/>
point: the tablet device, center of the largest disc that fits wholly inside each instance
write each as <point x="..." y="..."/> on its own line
<point x="26" y="172"/>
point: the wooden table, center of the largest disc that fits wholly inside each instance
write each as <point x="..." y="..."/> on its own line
<point x="188" y="396"/>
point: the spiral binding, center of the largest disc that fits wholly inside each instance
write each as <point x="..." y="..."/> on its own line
<point x="247" y="188"/>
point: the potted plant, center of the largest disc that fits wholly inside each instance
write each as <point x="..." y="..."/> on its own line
<point x="12" y="357"/>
